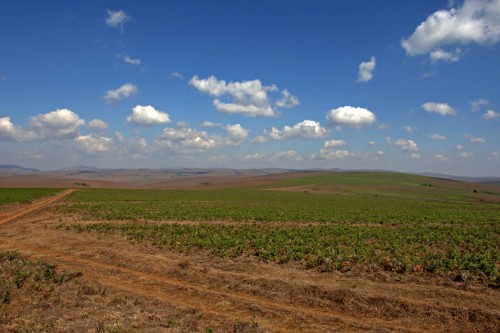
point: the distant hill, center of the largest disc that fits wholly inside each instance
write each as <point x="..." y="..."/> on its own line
<point x="491" y="180"/>
<point x="17" y="169"/>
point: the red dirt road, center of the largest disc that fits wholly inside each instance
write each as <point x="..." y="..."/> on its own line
<point x="280" y="299"/>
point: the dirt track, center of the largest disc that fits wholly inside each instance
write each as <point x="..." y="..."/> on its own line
<point x="280" y="299"/>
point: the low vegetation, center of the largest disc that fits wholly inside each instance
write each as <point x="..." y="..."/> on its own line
<point x="18" y="272"/>
<point x="10" y="196"/>
<point x="335" y="222"/>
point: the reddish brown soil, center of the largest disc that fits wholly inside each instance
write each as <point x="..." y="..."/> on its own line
<point x="224" y="293"/>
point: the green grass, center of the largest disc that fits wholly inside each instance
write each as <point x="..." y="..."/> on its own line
<point x="10" y="196"/>
<point x="329" y="247"/>
<point x="354" y="221"/>
<point x="410" y="204"/>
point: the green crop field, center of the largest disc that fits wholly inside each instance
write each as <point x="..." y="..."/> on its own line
<point x="23" y="195"/>
<point x="358" y="221"/>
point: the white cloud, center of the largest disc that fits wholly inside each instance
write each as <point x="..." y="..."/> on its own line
<point x="210" y="124"/>
<point x="366" y="68"/>
<point x="58" y="124"/>
<point x="410" y="129"/>
<point x="334" y="143"/>
<point x="287" y="155"/>
<point x="449" y="57"/>
<point x="287" y="100"/>
<point x="437" y="137"/>
<point x="147" y="116"/>
<point x="476" y="21"/>
<point x="126" y="90"/>
<point x="236" y="135"/>
<point x="459" y="147"/>
<point x="490" y="114"/>
<point x="307" y="129"/>
<point x="93" y="144"/>
<point x="442" y="109"/>
<point x="132" y="61"/>
<point x="333" y="154"/>
<point x="260" y="139"/>
<point x="176" y="75"/>
<point x="372" y="143"/>
<point x="11" y="132"/>
<point x="441" y="158"/>
<point x="251" y="111"/>
<point x="476" y="105"/>
<point x="249" y="98"/>
<point x="475" y="139"/>
<point x="97" y="125"/>
<point x="351" y="116"/>
<point x="117" y="19"/>
<point x="405" y="145"/>
<point x="192" y="141"/>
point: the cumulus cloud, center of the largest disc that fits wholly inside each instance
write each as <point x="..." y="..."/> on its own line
<point x="307" y="129"/>
<point x="437" y="137"/>
<point x="248" y="98"/>
<point x="334" y="143"/>
<point x="287" y="155"/>
<point x="333" y="154"/>
<point x="11" y="132"/>
<point x="192" y="141"/>
<point x="476" y="21"/>
<point x="442" y="109"/>
<point x="478" y="103"/>
<point x="449" y="57"/>
<point x="117" y="19"/>
<point x="97" y="125"/>
<point x="475" y="139"/>
<point x="405" y="145"/>
<point x="287" y="100"/>
<point x="126" y="90"/>
<point x="58" y="124"/>
<point x="372" y="143"/>
<point x="93" y="144"/>
<point x="351" y="116"/>
<point x="147" y="116"/>
<point x="366" y="68"/>
<point x="490" y="114"/>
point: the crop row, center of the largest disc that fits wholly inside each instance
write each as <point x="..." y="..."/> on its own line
<point x="473" y="250"/>
<point x="252" y="205"/>
<point x="23" y="195"/>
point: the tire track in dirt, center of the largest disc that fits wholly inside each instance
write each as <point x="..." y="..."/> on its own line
<point x="182" y="294"/>
<point x="18" y="212"/>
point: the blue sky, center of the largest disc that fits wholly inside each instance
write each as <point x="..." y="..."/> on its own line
<point x="406" y="86"/>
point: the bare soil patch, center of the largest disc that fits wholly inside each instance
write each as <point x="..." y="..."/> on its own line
<point x="127" y="287"/>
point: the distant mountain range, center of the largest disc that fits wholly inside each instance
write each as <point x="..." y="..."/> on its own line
<point x="143" y="174"/>
<point x="17" y="168"/>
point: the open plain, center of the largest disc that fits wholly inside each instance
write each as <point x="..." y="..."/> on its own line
<point x="273" y="252"/>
